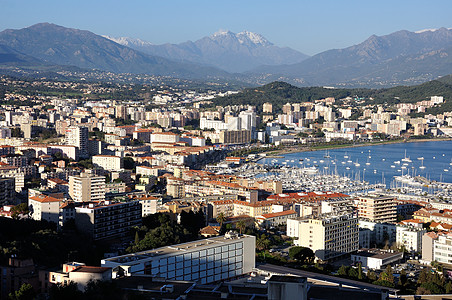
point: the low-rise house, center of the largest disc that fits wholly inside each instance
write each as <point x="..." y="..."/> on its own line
<point x="275" y="219"/>
<point x="376" y="258"/>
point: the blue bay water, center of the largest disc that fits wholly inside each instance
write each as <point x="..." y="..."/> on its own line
<point x="375" y="161"/>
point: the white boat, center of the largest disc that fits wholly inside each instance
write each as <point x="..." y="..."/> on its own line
<point x="407" y="159"/>
<point x="446" y="170"/>
<point x="420" y="158"/>
<point x="397" y="162"/>
<point x="422" y="167"/>
<point x="392" y="166"/>
<point x="348" y="168"/>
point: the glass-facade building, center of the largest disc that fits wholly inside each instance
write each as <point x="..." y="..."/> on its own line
<point x="203" y="261"/>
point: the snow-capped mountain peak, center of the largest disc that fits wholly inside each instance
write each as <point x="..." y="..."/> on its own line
<point x="255" y="38"/>
<point x="127" y="41"/>
<point x="244" y="37"/>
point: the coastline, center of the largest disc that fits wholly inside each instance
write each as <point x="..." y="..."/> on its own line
<point x="280" y="153"/>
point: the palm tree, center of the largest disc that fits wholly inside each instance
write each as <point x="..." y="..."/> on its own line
<point x="241" y="225"/>
<point x="220" y="219"/>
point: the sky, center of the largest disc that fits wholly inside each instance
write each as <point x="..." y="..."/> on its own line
<point x="309" y="26"/>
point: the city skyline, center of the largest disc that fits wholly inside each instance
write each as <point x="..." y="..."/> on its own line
<point x="309" y="27"/>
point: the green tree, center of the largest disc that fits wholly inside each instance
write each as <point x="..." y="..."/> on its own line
<point x="221" y="218"/>
<point x="262" y="243"/>
<point x="372" y="276"/>
<point x="67" y="291"/>
<point x="25" y="292"/>
<point x="302" y="254"/>
<point x="423" y="277"/>
<point x="129" y="163"/>
<point x="448" y="287"/>
<point x="360" y="272"/>
<point x="20" y="209"/>
<point x="352" y="273"/>
<point x="241" y="225"/>
<point x="402" y="279"/>
<point x="343" y="271"/>
<point x="137" y="238"/>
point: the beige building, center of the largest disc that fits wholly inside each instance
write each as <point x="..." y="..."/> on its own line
<point x="377" y="208"/>
<point x="328" y="235"/>
<point x="108" y="162"/>
<point x="267" y="108"/>
<point x="86" y="187"/>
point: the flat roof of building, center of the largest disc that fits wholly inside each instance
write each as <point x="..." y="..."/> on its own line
<point x="175" y="249"/>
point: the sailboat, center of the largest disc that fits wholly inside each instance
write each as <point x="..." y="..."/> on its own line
<point x="422" y="167"/>
<point x="407" y="159"/>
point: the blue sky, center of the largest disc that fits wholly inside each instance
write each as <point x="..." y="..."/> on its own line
<point x="308" y="26"/>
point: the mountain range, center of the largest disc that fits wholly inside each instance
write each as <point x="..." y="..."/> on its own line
<point x="400" y="58"/>
<point x="233" y="52"/>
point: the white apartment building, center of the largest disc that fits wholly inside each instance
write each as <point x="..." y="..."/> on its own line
<point x="203" y="261"/>
<point x="217" y="125"/>
<point x="108" y="162"/>
<point x="442" y="249"/>
<point x="78" y="136"/>
<point x="44" y="208"/>
<point x="328" y="235"/>
<point x="409" y="237"/>
<point x="164" y="137"/>
<point x="86" y="187"/>
<point x="149" y="205"/>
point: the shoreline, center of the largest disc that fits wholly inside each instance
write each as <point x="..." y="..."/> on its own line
<point x="280" y="153"/>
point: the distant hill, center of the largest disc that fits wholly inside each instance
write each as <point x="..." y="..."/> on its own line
<point x="402" y="57"/>
<point x="55" y="44"/>
<point x="280" y="93"/>
<point x="233" y="52"/>
<point x="10" y="56"/>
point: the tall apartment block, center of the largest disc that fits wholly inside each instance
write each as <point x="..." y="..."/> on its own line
<point x="104" y="219"/>
<point x="86" y="187"/>
<point x="328" y="235"/>
<point x="78" y="136"/>
<point x="377" y="208"/>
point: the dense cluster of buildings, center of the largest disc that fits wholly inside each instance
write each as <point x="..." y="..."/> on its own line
<point x="107" y="164"/>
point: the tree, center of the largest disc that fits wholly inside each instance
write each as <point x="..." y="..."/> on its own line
<point x="303" y="254"/>
<point x="262" y="243"/>
<point x="448" y="287"/>
<point x="221" y="218"/>
<point x="20" y="209"/>
<point x="129" y="163"/>
<point x="423" y="277"/>
<point x="372" y="276"/>
<point x="360" y="272"/>
<point x="352" y="273"/>
<point x="68" y="291"/>
<point x="137" y="238"/>
<point x="241" y="225"/>
<point x="343" y="271"/>
<point x="25" y="292"/>
<point x="402" y="278"/>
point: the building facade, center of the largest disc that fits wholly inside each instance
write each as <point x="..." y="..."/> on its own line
<point x="203" y="261"/>
<point x="86" y="187"/>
